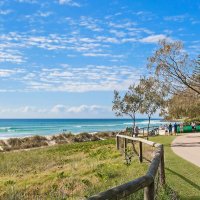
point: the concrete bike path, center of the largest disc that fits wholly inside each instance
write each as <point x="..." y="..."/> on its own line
<point x="187" y="146"/>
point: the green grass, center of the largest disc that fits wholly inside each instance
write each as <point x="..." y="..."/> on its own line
<point x="79" y="170"/>
<point x="68" y="171"/>
<point x="181" y="175"/>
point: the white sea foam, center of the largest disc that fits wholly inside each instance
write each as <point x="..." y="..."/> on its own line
<point x="5" y="128"/>
<point x="98" y="125"/>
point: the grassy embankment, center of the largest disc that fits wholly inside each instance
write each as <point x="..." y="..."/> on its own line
<point x="66" y="171"/>
<point x="75" y="171"/>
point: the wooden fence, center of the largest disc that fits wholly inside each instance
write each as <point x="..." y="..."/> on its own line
<point x="146" y="182"/>
<point x="146" y="131"/>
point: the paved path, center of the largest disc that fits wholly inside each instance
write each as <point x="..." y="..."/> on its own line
<point x="188" y="147"/>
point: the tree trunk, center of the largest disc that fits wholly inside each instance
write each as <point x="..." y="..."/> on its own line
<point x="133" y="131"/>
<point x="148" y="126"/>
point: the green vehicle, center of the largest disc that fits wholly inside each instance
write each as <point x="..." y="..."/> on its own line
<point x="188" y="129"/>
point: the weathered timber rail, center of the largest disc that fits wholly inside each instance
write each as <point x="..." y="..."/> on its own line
<point x="146" y="182"/>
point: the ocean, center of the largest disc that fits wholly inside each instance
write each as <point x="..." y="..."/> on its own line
<point x="28" y="127"/>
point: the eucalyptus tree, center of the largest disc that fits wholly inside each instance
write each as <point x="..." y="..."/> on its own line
<point x="129" y="104"/>
<point x="196" y="73"/>
<point x="185" y="104"/>
<point x="153" y="97"/>
<point x="174" y="67"/>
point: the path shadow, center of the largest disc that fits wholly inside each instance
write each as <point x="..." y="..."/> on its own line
<point x="191" y="144"/>
<point x="185" y="179"/>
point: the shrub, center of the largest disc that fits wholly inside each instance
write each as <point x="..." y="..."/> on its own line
<point x="28" y="142"/>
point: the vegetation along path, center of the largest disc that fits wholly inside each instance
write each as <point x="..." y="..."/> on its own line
<point x="181" y="175"/>
<point x="188" y="147"/>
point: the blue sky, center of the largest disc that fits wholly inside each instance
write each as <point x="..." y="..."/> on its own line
<point x="64" y="58"/>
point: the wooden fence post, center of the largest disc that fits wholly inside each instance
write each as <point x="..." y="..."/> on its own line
<point x="149" y="192"/>
<point x="117" y="142"/>
<point x="125" y="146"/>
<point x="162" y="167"/>
<point x="140" y="152"/>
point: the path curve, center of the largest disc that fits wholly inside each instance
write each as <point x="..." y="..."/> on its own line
<point x="187" y="146"/>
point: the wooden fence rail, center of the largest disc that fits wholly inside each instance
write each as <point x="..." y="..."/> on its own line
<point x="145" y="182"/>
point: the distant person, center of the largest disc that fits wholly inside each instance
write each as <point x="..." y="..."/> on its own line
<point x="136" y="131"/>
<point x="181" y="128"/>
<point x="193" y="126"/>
<point x="175" y="128"/>
<point x="170" y="129"/>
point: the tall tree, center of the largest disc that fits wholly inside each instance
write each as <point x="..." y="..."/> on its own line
<point x="185" y="104"/>
<point x="174" y="68"/>
<point x="129" y="104"/>
<point x="153" y="97"/>
<point x="196" y="74"/>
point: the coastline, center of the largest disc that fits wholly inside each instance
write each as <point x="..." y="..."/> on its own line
<point x="20" y="140"/>
<point x="11" y="128"/>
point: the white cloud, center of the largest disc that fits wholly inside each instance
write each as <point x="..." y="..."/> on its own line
<point x="118" y="33"/>
<point x="59" y="108"/>
<point x="102" y="55"/>
<point x="86" y="108"/>
<point x="79" y="109"/>
<point x="44" y="14"/>
<point x="69" y="3"/>
<point x="176" y="18"/>
<point x="8" y="72"/>
<point x="90" y="23"/>
<point x="27" y="1"/>
<point x="122" y="25"/>
<point x="22" y="110"/>
<point x="144" y="15"/>
<point x="5" y="12"/>
<point x="129" y="40"/>
<point x="73" y="79"/>
<point x="154" y="38"/>
<point x="13" y="56"/>
<point x="55" y="111"/>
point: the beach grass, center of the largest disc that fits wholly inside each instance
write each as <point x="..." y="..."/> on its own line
<point x="41" y="141"/>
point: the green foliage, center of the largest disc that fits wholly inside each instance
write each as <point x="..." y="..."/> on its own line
<point x="61" y="175"/>
<point x="128" y="155"/>
<point x="185" y="104"/>
<point x="196" y="120"/>
<point x="129" y="104"/>
<point x="147" y="97"/>
<point x="107" y="171"/>
<point x="9" y="182"/>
